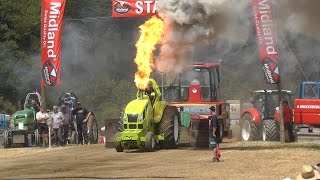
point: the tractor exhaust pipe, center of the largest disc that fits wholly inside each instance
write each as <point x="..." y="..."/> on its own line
<point x="140" y="94"/>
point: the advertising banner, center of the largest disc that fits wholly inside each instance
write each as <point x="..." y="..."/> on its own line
<point x="134" y="8"/>
<point x="266" y="32"/>
<point x="52" y="12"/>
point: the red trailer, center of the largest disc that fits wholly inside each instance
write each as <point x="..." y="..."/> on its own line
<point x="307" y="112"/>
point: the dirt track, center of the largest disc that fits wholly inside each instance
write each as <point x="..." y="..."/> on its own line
<point x="240" y="161"/>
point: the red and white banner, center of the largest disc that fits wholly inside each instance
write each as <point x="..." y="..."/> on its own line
<point x="267" y="39"/>
<point x="134" y="8"/>
<point x="51" y="26"/>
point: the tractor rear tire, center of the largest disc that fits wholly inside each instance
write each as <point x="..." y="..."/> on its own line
<point x="150" y="142"/>
<point x="170" y="127"/>
<point x="271" y="130"/>
<point x="250" y="131"/>
<point x="118" y="146"/>
<point x="93" y="130"/>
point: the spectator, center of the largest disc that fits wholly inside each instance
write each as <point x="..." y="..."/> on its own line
<point x="42" y="118"/>
<point x="66" y="123"/>
<point x="214" y="134"/>
<point x="57" y="123"/>
<point x="82" y="116"/>
<point x="288" y="119"/>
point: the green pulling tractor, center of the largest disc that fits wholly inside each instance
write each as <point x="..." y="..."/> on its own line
<point x="23" y="131"/>
<point x="148" y="122"/>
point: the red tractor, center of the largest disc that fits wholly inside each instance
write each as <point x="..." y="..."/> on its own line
<point x="307" y="112"/>
<point x="193" y="92"/>
<point x="261" y="121"/>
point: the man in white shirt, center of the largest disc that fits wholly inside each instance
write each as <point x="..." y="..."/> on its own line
<point x="42" y="118"/>
<point x="57" y="122"/>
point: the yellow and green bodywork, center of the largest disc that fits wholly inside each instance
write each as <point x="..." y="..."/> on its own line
<point x="142" y="116"/>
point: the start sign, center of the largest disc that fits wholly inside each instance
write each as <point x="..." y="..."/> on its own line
<point x="134" y="8"/>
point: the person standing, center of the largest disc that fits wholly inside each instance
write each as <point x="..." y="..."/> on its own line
<point x="214" y="134"/>
<point x="81" y="120"/>
<point x="42" y="117"/>
<point x="288" y="119"/>
<point x="66" y="123"/>
<point x="57" y="123"/>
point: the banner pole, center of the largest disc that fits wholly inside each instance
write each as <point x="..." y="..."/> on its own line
<point x="43" y="96"/>
<point x="281" y="122"/>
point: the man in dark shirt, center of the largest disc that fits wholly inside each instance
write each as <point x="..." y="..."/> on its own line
<point x="214" y="134"/>
<point x="288" y="119"/>
<point x="81" y="116"/>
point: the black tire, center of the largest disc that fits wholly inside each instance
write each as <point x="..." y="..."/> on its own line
<point x="249" y="130"/>
<point x="271" y="130"/>
<point x="150" y="143"/>
<point x="93" y="134"/>
<point x="221" y="130"/>
<point x="120" y="127"/>
<point x="6" y="142"/>
<point x="118" y="146"/>
<point x="36" y="138"/>
<point x="73" y="138"/>
<point x="170" y="127"/>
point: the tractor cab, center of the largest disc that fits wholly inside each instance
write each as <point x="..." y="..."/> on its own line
<point x="309" y="90"/>
<point x="197" y="83"/>
<point x="266" y="101"/>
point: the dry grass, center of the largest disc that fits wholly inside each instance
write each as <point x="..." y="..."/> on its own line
<point x="254" y="160"/>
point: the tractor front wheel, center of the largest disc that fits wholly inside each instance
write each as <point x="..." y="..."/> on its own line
<point x="118" y="146"/>
<point x="150" y="143"/>
<point x="169" y="126"/>
<point x="249" y="130"/>
<point x="270" y="130"/>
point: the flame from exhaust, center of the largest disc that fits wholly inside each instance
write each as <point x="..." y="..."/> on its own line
<point x="150" y="34"/>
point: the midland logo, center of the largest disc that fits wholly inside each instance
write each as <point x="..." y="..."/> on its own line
<point x="271" y="70"/>
<point x="121" y="7"/>
<point x="49" y="73"/>
<point x="194" y="90"/>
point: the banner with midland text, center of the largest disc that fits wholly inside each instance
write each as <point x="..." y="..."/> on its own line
<point x="265" y="25"/>
<point x="134" y="8"/>
<point x="52" y="12"/>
